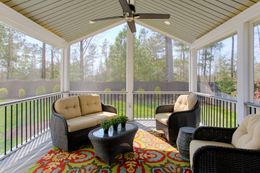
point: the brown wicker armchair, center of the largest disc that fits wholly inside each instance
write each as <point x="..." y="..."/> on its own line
<point x="213" y="150"/>
<point x="170" y="118"/>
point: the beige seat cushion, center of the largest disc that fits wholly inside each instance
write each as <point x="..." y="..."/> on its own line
<point x="163" y="117"/>
<point x="80" y="123"/>
<point x="68" y="107"/>
<point x="185" y="102"/>
<point x="196" y="144"/>
<point x="247" y="135"/>
<point x="90" y="104"/>
<point x="101" y="116"/>
<point x="89" y="120"/>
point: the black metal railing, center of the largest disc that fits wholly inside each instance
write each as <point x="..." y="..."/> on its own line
<point x="145" y="102"/>
<point x="26" y="119"/>
<point x="23" y="120"/>
<point x="218" y="112"/>
<point x="114" y="98"/>
<point x="253" y="108"/>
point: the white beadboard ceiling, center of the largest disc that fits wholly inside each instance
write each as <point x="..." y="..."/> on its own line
<point x="69" y="19"/>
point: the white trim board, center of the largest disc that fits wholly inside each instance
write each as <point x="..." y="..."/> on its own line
<point x="16" y="20"/>
<point x="229" y="27"/>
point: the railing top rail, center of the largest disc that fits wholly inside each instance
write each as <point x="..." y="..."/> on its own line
<point x="161" y="92"/>
<point x="216" y="97"/>
<point x="252" y="104"/>
<point x="29" y="98"/>
<point x="100" y="92"/>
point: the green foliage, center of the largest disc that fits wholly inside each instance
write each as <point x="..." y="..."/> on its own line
<point x="115" y="121"/>
<point x="122" y="118"/>
<point x="157" y="89"/>
<point x="3" y="93"/>
<point x="116" y="61"/>
<point x="141" y="90"/>
<point x="21" y="93"/>
<point x="226" y="85"/>
<point x="56" y="88"/>
<point x="257" y="90"/>
<point x="22" y="56"/>
<point x="106" y="124"/>
<point x="107" y="89"/>
<point x="40" y="90"/>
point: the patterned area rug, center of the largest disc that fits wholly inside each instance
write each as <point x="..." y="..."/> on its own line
<point x="151" y="154"/>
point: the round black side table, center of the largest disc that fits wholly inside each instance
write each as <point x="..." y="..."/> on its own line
<point x="183" y="142"/>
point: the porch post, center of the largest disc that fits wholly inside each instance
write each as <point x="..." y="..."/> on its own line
<point x="65" y="70"/>
<point x="129" y="74"/>
<point x="193" y="70"/>
<point x="242" y="70"/>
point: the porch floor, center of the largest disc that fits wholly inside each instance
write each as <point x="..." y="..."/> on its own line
<point x="22" y="159"/>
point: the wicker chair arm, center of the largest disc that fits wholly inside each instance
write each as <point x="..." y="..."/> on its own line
<point x="214" y="134"/>
<point x="108" y="108"/>
<point x="184" y="118"/>
<point x="215" y="159"/>
<point x="163" y="109"/>
<point x="59" y="122"/>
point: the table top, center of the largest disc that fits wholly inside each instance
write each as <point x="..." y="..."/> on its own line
<point x="99" y="132"/>
<point x="188" y="130"/>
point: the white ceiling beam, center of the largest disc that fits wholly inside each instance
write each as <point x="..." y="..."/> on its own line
<point x="229" y="27"/>
<point x="14" y="19"/>
<point x="98" y="31"/>
<point x="162" y="32"/>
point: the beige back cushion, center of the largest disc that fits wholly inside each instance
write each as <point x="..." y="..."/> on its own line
<point x="247" y="135"/>
<point x="90" y="104"/>
<point x="68" y="107"/>
<point x="185" y="102"/>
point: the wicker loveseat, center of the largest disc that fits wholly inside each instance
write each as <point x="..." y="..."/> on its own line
<point x="226" y="150"/>
<point x="170" y="118"/>
<point x="74" y="117"/>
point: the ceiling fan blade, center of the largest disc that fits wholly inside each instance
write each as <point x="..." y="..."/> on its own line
<point x="131" y="25"/>
<point x="125" y="6"/>
<point x="106" y="18"/>
<point x="152" y="16"/>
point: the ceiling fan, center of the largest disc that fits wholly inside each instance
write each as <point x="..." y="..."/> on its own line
<point x="130" y="15"/>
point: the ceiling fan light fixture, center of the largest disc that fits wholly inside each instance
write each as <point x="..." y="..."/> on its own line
<point x="167" y="22"/>
<point x="91" y="22"/>
<point x="129" y="18"/>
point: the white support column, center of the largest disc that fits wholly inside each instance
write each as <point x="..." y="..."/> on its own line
<point x="65" y="85"/>
<point x="193" y="70"/>
<point x="242" y="70"/>
<point x="130" y="74"/>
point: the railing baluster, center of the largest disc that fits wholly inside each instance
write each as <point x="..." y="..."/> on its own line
<point x="39" y="128"/>
<point x="211" y="112"/>
<point x="22" y="122"/>
<point x="227" y="114"/>
<point x="215" y="113"/>
<point x="26" y="122"/>
<point x="136" y="105"/>
<point x="235" y="117"/>
<point x="11" y="129"/>
<point x="5" y="137"/>
<point x="16" y="128"/>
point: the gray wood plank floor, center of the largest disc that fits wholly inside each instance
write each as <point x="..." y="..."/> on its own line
<point x="22" y="159"/>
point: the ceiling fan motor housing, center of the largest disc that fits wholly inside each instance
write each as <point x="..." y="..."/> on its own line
<point x="132" y="7"/>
